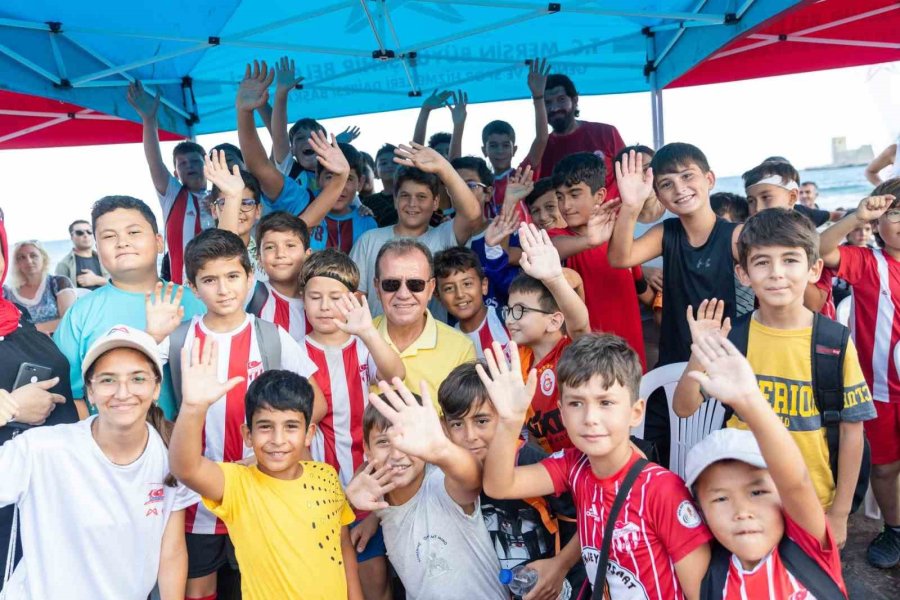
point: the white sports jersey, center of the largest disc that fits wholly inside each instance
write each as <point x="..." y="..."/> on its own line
<point x="285" y="312"/>
<point x="343" y="373"/>
<point x="239" y="356"/>
<point x="491" y="330"/>
<point x="185" y="214"/>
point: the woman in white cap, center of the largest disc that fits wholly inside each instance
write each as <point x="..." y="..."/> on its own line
<point x="99" y="514"/>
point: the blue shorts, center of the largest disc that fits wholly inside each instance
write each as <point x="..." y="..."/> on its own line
<point x="374" y="548"/>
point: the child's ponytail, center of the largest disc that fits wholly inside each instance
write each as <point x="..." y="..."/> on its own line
<point x="163" y="427"/>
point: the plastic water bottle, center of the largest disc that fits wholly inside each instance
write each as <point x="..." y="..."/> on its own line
<point x="521" y="580"/>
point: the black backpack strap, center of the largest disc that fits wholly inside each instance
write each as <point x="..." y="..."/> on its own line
<point x="176" y="343"/>
<point x="740" y="337"/>
<point x="807" y="571"/>
<point x="258" y="300"/>
<point x="713" y="585"/>
<point x="627" y="483"/>
<point x="269" y="344"/>
<point x="829" y="344"/>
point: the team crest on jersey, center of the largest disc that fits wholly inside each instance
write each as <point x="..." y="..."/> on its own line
<point x="688" y="515"/>
<point x="626" y="536"/>
<point x="548" y="381"/>
<point x="364" y="374"/>
<point x="157" y="493"/>
<point x="801" y="595"/>
<point x="254" y="370"/>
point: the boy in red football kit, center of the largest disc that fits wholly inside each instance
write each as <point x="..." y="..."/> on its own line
<point x="218" y="271"/>
<point x="756" y="495"/>
<point x="348" y="353"/>
<point x="543" y="316"/>
<point x="659" y="546"/>
<point x="874" y="275"/>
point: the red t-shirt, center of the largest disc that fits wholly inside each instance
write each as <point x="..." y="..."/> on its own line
<point x="770" y="578"/>
<point x="657" y="526"/>
<point x="875" y="321"/>
<point x="824" y="284"/>
<point x="598" y="138"/>
<point x="500" y="181"/>
<point x="609" y="294"/>
<point x="543" y="420"/>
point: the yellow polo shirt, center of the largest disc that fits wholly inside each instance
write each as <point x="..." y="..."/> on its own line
<point x="435" y="353"/>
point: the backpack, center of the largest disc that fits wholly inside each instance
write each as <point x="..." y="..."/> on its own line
<point x="269" y="348"/>
<point x="829" y="345"/>
<point x="800" y="565"/>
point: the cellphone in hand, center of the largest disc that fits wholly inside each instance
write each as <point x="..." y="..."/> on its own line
<point x="32" y="373"/>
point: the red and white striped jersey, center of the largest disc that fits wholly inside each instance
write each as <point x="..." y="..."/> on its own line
<point x="239" y="356"/>
<point x="285" y="312"/>
<point x="657" y="526"/>
<point x="343" y="374"/>
<point x="491" y="330"/>
<point x="184" y="213"/>
<point x="875" y="320"/>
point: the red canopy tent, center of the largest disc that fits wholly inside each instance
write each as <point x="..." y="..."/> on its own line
<point x="34" y="122"/>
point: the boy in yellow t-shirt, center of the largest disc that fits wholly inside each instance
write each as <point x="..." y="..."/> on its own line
<point x="778" y="252"/>
<point x="287" y="517"/>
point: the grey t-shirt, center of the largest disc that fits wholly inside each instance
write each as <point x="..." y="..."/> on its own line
<point x="91" y="263"/>
<point x="440" y="552"/>
<point x="365" y="251"/>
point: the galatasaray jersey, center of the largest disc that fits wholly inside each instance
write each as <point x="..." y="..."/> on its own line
<point x="239" y="356"/>
<point x="343" y="374"/>
<point x="657" y="526"/>
<point x="285" y="312"/>
<point x="543" y="420"/>
<point x="491" y="330"/>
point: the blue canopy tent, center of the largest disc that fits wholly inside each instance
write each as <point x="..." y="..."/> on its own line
<point x="357" y="56"/>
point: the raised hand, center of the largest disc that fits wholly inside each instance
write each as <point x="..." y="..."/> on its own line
<point x="164" y="310"/>
<point x="728" y="376"/>
<point x="457" y="105"/>
<point x="436" y="100"/>
<point x="368" y="487"/>
<point x="253" y="92"/>
<point x="539" y="256"/>
<point x="356" y="314"/>
<point x="501" y="227"/>
<point x="518" y="185"/>
<point x="421" y="157"/>
<point x="229" y="182"/>
<point x="415" y="428"/>
<point x="538" y="70"/>
<point x="348" y="135"/>
<point x="635" y="184"/>
<point x="509" y="393"/>
<point x="602" y="221"/>
<point x="873" y="207"/>
<point x="709" y="320"/>
<point x="146" y="105"/>
<point x="286" y="78"/>
<point x="330" y="155"/>
<point x="200" y="385"/>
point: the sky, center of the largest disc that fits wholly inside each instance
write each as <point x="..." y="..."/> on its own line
<point x="735" y="124"/>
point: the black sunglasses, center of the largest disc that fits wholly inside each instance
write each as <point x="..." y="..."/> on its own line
<point x="413" y="285"/>
<point x="82" y="232"/>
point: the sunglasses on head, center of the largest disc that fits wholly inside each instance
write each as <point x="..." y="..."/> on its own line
<point x="82" y="232"/>
<point x="413" y="285"/>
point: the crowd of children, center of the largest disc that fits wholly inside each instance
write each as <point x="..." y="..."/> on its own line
<point x="332" y="392"/>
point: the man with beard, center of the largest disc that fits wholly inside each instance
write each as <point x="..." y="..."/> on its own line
<point x="570" y="135"/>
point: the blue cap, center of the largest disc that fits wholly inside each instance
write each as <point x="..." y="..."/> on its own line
<point x="505" y="576"/>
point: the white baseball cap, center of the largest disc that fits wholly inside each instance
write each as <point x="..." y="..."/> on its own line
<point x="723" y="444"/>
<point x="122" y="336"/>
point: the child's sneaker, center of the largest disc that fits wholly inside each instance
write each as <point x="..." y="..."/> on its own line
<point x="884" y="551"/>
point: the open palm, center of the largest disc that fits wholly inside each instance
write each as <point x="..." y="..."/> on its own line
<point x="415" y="428"/>
<point x="229" y="182"/>
<point x="200" y="385"/>
<point x="163" y="310"/>
<point x="356" y="314"/>
<point x="328" y="154"/>
<point x="253" y="93"/>
<point x="419" y="156"/>
<point x="726" y="376"/>
<point x="635" y="184"/>
<point x="146" y="105"/>
<point x="709" y="319"/>
<point x="509" y="393"/>
<point x="367" y="488"/>
<point x="540" y="258"/>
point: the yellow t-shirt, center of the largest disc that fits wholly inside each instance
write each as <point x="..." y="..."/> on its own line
<point x="286" y="534"/>
<point x="781" y="360"/>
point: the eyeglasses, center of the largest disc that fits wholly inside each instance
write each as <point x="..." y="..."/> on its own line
<point x="474" y="185"/>
<point x="893" y="215"/>
<point x="413" y="285"/>
<point x="517" y="311"/>
<point x="80" y="232"/>
<point x="247" y="204"/>
<point x="138" y="385"/>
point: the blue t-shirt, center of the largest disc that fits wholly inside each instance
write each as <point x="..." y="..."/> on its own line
<point x="94" y="314"/>
<point x="294" y="198"/>
<point x="497" y="269"/>
<point x="340" y="231"/>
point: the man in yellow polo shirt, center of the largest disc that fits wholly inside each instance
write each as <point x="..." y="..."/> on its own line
<point x="404" y="278"/>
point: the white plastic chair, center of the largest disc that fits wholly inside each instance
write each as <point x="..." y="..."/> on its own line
<point x="843" y="311"/>
<point x="684" y="433"/>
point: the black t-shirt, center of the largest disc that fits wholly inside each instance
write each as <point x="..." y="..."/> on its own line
<point x="817" y="216"/>
<point x="382" y="207"/>
<point x="690" y="276"/>
<point x="27" y="344"/>
<point x="92" y="264"/>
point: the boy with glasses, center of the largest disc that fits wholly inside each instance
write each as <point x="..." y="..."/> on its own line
<point x="82" y="265"/>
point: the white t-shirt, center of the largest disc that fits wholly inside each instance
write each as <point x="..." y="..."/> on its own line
<point x="89" y="528"/>
<point x="440" y="552"/>
<point x="896" y="169"/>
<point x="366" y="248"/>
<point x="239" y="356"/>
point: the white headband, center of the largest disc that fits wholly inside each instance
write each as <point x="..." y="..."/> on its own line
<point x="777" y="181"/>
